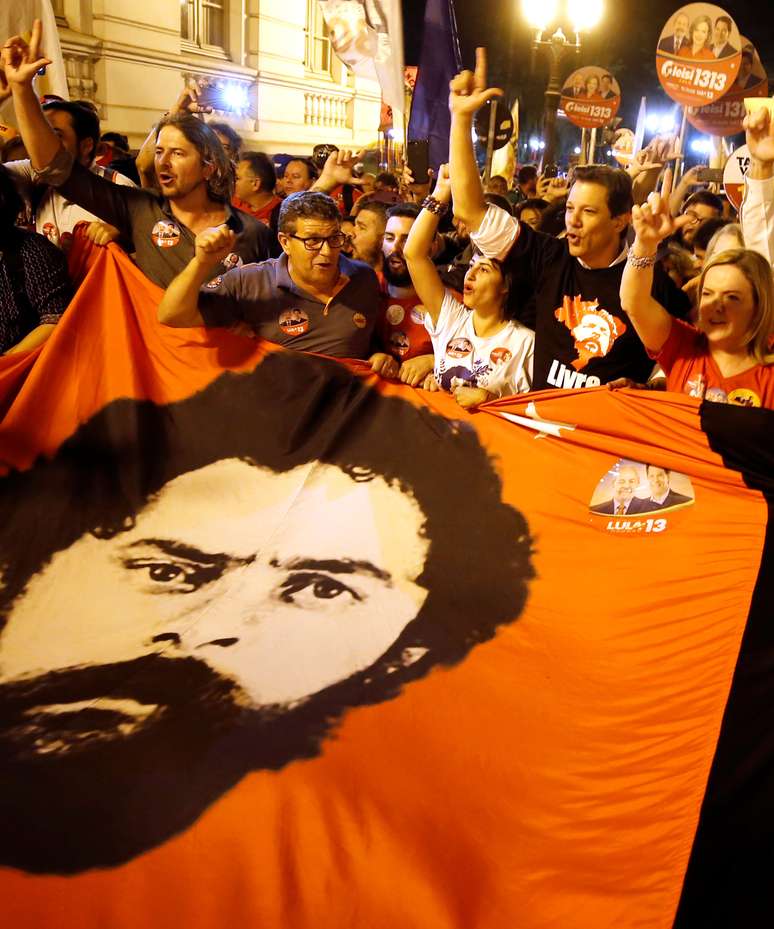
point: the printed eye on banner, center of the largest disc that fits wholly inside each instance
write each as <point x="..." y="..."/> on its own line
<point x="724" y="117"/>
<point x="698" y="54"/>
<point x="590" y="97"/>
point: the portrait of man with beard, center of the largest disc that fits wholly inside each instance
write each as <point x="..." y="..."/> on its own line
<point x="196" y="590"/>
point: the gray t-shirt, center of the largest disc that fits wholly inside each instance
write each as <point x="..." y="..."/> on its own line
<point x="265" y="297"/>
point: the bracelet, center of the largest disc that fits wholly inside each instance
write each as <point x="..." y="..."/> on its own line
<point x="640" y="261"/>
<point x="434" y="206"/>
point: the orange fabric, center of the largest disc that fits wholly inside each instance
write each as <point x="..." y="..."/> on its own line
<point x="551" y="779"/>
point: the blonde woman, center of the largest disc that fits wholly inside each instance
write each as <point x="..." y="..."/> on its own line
<point x="725" y="357"/>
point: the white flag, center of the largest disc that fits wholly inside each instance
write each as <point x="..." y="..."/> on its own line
<point x="367" y="35"/>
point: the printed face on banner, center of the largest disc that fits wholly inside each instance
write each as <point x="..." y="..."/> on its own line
<point x="724" y="117"/>
<point x="590" y="97"/>
<point x="632" y="491"/>
<point x="250" y="591"/>
<point x="698" y="54"/>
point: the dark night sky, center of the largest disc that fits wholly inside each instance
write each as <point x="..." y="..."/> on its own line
<point x="624" y="42"/>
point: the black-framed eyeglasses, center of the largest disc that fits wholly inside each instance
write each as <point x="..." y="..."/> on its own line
<point x="314" y="243"/>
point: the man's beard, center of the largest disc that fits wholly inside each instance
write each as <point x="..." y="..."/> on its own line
<point x="399" y="277"/>
<point x="94" y="787"/>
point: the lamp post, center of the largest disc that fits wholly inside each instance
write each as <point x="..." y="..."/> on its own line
<point x="540" y="14"/>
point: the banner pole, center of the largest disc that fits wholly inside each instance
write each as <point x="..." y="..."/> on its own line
<point x="490" y="140"/>
<point x="678" y="172"/>
<point x="592" y="146"/>
<point x="583" y="160"/>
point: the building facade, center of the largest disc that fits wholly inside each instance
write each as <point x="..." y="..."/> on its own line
<point x="270" y="58"/>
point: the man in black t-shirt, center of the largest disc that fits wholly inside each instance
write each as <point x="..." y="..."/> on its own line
<point x="582" y="336"/>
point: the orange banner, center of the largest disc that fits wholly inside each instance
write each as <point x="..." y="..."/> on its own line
<point x="285" y="645"/>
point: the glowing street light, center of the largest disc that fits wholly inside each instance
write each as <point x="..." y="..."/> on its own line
<point x="584" y="14"/>
<point x="541" y="14"/>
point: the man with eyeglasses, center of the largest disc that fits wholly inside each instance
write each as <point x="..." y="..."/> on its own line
<point x="311" y="298"/>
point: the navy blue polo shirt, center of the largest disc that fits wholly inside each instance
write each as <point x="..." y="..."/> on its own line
<point x="264" y="297"/>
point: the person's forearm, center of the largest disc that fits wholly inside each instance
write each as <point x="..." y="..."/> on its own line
<point x="467" y="192"/>
<point x="677" y="197"/>
<point x="180" y="304"/>
<point x="40" y="140"/>
<point x="421" y="237"/>
<point x="145" y="160"/>
<point x="637" y="282"/>
<point x="37" y="337"/>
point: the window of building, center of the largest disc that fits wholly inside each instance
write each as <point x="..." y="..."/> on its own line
<point x="319" y="53"/>
<point x="203" y="23"/>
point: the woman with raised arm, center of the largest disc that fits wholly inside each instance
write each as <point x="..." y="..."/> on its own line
<point x="726" y="356"/>
<point x="481" y="353"/>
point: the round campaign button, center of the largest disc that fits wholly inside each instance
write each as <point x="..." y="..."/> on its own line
<point x="724" y="117"/>
<point x="418" y="315"/>
<point x="399" y="343"/>
<point x="458" y="348"/>
<point x="590" y="97"/>
<point x="395" y="314"/>
<point x="500" y="356"/>
<point x="359" y="320"/>
<point x="698" y="54"/>
<point x="165" y="234"/>
<point x="293" y="322"/>
<point x="232" y="260"/>
<point x="733" y="175"/>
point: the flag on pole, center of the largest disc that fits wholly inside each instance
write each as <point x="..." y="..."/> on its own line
<point x="367" y="36"/>
<point x="439" y="61"/>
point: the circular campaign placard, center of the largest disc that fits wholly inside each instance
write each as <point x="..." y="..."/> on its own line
<point x="623" y="147"/>
<point x="734" y="173"/>
<point x="724" y="116"/>
<point x="590" y="97"/>
<point x="698" y="54"/>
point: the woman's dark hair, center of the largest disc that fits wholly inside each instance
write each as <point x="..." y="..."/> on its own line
<point x="220" y="184"/>
<point x="10" y="205"/>
<point x="552" y="220"/>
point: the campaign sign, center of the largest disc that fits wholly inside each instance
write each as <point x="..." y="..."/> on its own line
<point x="724" y="117"/>
<point x="590" y="97"/>
<point x="698" y="55"/>
<point x="623" y="147"/>
<point x="734" y="175"/>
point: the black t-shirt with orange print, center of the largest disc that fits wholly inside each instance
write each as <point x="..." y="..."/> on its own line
<point x="582" y="336"/>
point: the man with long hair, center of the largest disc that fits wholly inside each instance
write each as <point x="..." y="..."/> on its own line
<point x="195" y="180"/>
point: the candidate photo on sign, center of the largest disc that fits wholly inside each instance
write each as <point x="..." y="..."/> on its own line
<point x="206" y="587"/>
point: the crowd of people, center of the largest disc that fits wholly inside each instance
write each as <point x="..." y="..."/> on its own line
<point x="601" y="276"/>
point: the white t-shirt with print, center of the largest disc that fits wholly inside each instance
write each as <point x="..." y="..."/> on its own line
<point x="56" y="217"/>
<point x="500" y="363"/>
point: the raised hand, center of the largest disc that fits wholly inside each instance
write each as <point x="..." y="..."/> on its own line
<point x="468" y="91"/>
<point x="338" y="168"/>
<point x="214" y="244"/>
<point x="552" y="188"/>
<point x="759" y="133"/>
<point x="442" y="191"/>
<point x="21" y="61"/>
<point x="653" y="222"/>
<point x="188" y="101"/>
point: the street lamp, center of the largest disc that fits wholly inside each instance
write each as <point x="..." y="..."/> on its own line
<point x="540" y="14"/>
